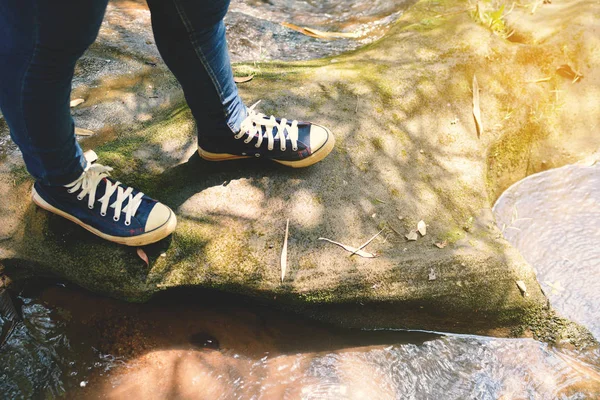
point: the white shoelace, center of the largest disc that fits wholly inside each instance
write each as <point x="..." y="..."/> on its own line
<point x="88" y="182"/>
<point x="252" y="127"/>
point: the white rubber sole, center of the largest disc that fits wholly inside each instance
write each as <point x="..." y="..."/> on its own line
<point x="141" y="240"/>
<point x="305" y="162"/>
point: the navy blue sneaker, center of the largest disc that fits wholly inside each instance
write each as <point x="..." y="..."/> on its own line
<point x="107" y="208"/>
<point x="292" y="143"/>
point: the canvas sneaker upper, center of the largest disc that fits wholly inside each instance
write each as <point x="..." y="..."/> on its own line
<point x="288" y="142"/>
<point x="107" y="207"/>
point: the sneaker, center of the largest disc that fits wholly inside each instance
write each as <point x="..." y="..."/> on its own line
<point x="292" y="143"/>
<point x="112" y="211"/>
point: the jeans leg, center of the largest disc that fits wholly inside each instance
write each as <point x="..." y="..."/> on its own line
<point x="190" y="35"/>
<point x="40" y="41"/>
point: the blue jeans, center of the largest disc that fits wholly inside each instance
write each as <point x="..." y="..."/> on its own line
<point x="40" y="42"/>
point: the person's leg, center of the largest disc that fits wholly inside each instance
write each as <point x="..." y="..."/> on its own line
<point x="40" y="41"/>
<point x="190" y="35"/>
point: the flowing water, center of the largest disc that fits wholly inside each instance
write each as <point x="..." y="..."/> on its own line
<point x="78" y="345"/>
<point x="553" y="218"/>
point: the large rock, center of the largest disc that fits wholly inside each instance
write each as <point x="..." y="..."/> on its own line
<point x="407" y="150"/>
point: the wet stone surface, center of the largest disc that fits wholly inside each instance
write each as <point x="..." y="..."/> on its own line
<point x="145" y="351"/>
<point x="407" y="150"/>
<point x="255" y="32"/>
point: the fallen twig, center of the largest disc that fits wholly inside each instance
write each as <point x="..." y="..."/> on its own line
<point x="284" y="251"/>
<point x="351" y="249"/>
<point x="476" y="109"/>
<point x="365" y="244"/>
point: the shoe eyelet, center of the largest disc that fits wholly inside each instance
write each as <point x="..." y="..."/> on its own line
<point x="103" y="214"/>
<point x="90" y="207"/>
<point x="256" y="154"/>
<point x="127" y="223"/>
<point x="270" y="148"/>
<point x="257" y="146"/>
<point x="116" y="219"/>
<point x="79" y="198"/>
<point x="295" y="148"/>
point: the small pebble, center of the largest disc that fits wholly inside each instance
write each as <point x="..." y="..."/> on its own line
<point x="432" y="276"/>
<point x="83" y="384"/>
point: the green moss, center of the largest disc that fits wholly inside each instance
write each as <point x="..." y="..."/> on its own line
<point x="452" y="236"/>
<point x="377" y="143"/>
<point x="20" y="175"/>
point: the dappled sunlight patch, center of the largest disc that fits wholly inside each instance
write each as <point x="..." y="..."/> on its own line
<point x="306" y="209"/>
<point x="239" y="198"/>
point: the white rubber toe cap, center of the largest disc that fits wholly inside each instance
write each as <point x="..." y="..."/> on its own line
<point x="318" y="136"/>
<point x="159" y="216"/>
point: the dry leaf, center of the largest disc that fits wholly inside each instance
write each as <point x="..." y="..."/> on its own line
<point x="76" y="102"/>
<point x="522" y="288"/>
<point x="284" y="251"/>
<point x="567" y="72"/>
<point x="441" y="245"/>
<point x="142" y="254"/>
<point x="412" y="235"/>
<point x="83" y="132"/>
<point x="365" y="244"/>
<point x="422" y="228"/>
<point x="243" y="79"/>
<point x="476" y="110"/>
<point x="298" y="29"/>
<point x="351" y="249"/>
<point x="332" y="35"/>
<point x="321" y="34"/>
<point x="432" y="275"/>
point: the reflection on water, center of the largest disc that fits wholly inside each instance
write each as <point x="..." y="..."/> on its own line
<point x="553" y="218"/>
<point x="90" y="347"/>
<point x="40" y="359"/>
